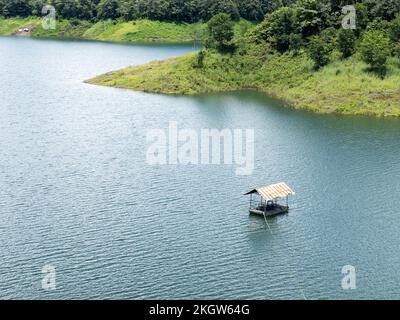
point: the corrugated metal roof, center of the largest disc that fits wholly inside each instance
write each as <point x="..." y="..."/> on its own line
<point x="273" y="191"/>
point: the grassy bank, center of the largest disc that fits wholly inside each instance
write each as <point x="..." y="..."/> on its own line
<point x="9" y="26"/>
<point x="344" y="86"/>
<point x="110" y="30"/>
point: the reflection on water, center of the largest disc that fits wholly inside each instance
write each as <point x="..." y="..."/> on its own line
<point x="76" y="192"/>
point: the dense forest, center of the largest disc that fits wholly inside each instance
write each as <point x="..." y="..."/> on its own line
<point x="184" y="10"/>
<point x="163" y="10"/>
<point x="320" y="27"/>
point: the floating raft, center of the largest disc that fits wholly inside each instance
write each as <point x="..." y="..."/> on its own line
<point x="266" y="202"/>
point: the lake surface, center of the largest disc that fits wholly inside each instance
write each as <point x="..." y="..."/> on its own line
<point x="77" y="193"/>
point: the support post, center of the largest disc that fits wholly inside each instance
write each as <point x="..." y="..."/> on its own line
<point x="266" y="221"/>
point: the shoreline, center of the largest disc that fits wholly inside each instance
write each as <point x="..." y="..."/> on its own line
<point x="113" y="31"/>
<point x="343" y="87"/>
<point x="122" y="43"/>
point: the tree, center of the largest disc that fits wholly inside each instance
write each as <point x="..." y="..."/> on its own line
<point x="175" y="10"/>
<point x="86" y="9"/>
<point x="14" y="8"/>
<point x="362" y="19"/>
<point x="295" y="42"/>
<point x="154" y="9"/>
<point x="329" y="35"/>
<point x="379" y="24"/>
<point x="277" y="28"/>
<point x="268" y="6"/>
<point x="220" y="33"/>
<point x="108" y="9"/>
<point x="250" y="10"/>
<point x="128" y="10"/>
<point x="319" y="51"/>
<point x="394" y="29"/>
<point x="396" y="50"/>
<point x="375" y="49"/>
<point x="313" y="16"/>
<point x="222" y="6"/>
<point x="346" y="42"/>
<point x="385" y="9"/>
<point x="66" y="8"/>
<point x="36" y="6"/>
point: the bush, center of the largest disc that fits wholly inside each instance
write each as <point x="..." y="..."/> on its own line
<point x="199" y="63"/>
<point x="74" y="22"/>
<point x="319" y="51"/>
<point x="220" y="33"/>
<point x="375" y="48"/>
<point x="346" y="42"/>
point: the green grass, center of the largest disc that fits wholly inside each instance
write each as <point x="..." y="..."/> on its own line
<point x="143" y="31"/>
<point x="64" y="29"/>
<point x="111" y="30"/>
<point x="9" y="26"/>
<point x="344" y="86"/>
<point x="139" y="31"/>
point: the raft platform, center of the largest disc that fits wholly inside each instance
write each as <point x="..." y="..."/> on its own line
<point x="266" y="202"/>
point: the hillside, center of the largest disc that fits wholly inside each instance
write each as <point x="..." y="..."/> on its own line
<point x="308" y="54"/>
<point x="344" y="86"/>
<point x="109" y="30"/>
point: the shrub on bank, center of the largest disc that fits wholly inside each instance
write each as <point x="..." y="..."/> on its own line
<point x="375" y="48"/>
<point x="320" y="51"/>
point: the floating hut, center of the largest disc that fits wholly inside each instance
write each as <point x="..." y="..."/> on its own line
<point x="264" y="201"/>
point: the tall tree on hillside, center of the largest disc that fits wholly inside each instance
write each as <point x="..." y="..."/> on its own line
<point x="362" y="19"/>
<point x="66" y="8"/>
<point x="129" y="10"/>
<point x="320" y="51"/>
<point x="313" y="16"/>
<point x="86" y="9"/>
<point x="386" y="9"/>
<point x="220" y="33"/>
<point x="375" y="48"/>
<point x="154" y="9"/>
<point x="394" y="30"/>
<point x="250" y="10"/>
<point x="269" y="6"/>
<point x="108" y="9"/>
<point x="182" y="10"/>
<point x="346" y="42"/>
<point x="16" y="8"/>
<point x="36" y="6"/>
<point x="211" y="8"/>
<point x="278" y="27"/>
